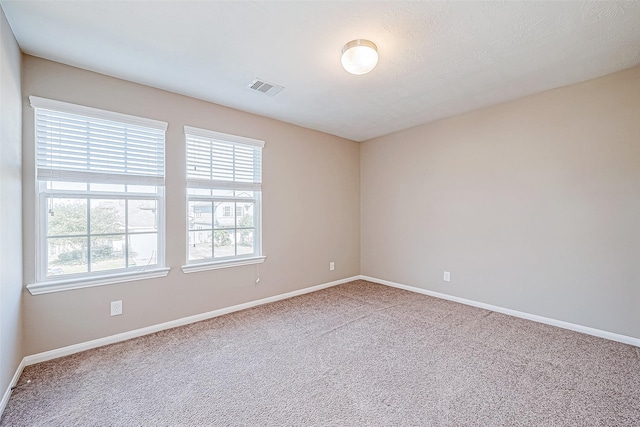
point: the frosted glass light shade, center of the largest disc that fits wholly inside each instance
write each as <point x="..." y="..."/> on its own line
<point x="359" y="56"/>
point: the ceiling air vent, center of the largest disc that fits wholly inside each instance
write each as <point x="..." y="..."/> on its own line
<point x="260" y="85"/>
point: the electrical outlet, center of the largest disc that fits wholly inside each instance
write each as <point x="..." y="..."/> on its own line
<point x="116" y="308"/>
<point x="447" y="276"/>
<point x="332" y="266"/>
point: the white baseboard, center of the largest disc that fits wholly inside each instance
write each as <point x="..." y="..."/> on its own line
<point x="14" y="381"/>
<point x="540" y="319"/>
<point x="76" y="348"/>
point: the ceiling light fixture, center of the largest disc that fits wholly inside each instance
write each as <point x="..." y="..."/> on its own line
<point x="359" y="56"/>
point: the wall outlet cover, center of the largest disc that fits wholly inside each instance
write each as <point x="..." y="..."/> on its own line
<point x="116" y="308"/>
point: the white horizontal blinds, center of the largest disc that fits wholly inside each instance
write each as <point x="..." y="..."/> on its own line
<point x="90" y="148"/>
<point x="216" y="160"/>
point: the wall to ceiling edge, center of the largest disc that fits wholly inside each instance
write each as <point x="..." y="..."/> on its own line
<point x="11" y="330"/>
<point x="311" y="213"/>
<point x="532" y="205"/>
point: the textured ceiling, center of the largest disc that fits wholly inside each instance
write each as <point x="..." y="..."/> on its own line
<point x="437" y="59"/>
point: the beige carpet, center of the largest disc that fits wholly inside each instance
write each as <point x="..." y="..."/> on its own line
<point x="355" y="354"/>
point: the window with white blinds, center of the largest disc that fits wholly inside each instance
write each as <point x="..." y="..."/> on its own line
<point x="80" y="144"/>
<point x="224" y="183"/>
<point x="218" y="160"/>
<point x="100" y="196"/>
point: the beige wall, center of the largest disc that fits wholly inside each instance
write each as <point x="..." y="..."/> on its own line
<point x="532" y="205"/>
<point x="10" y="206"/>
<point x="310" y="212"/>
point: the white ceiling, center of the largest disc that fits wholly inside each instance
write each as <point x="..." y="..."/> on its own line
<point x="437" y="59"/>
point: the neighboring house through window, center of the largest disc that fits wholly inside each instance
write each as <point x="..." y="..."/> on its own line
<point x="100" y="196"/>
<point x="224" y="183"/>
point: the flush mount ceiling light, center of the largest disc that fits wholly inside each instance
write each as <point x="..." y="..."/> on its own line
<point x="359" y="56"/>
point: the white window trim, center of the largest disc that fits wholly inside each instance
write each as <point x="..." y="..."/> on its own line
<point x="44" y="284"/>
<point x="88" y="282"/>
<point x="223" y="136"/>
<point x="65" y="107"/>
<point x="215" y="265"/>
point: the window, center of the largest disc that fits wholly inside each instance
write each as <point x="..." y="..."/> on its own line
<point x="100" y="206"/>
<point x="224" y="182"/>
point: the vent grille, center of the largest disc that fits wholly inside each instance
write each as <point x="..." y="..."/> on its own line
<point x="260" y="85"/>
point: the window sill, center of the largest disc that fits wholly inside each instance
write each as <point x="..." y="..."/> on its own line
<point x="194" y="268"/>
<point x="88" y="282"/>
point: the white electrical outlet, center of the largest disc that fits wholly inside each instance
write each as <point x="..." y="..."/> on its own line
<point x="447" y="276"/>
<point x="116" y="308"/>
<point x="332" y="266"/>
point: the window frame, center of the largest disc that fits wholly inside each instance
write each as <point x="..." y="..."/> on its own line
<point x="235" y="186"/>
<point x="43" y="235"/>
<point x="45" y="283"/>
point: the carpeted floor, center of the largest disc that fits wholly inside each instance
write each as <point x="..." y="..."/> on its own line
<point x="351" y="355"/>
